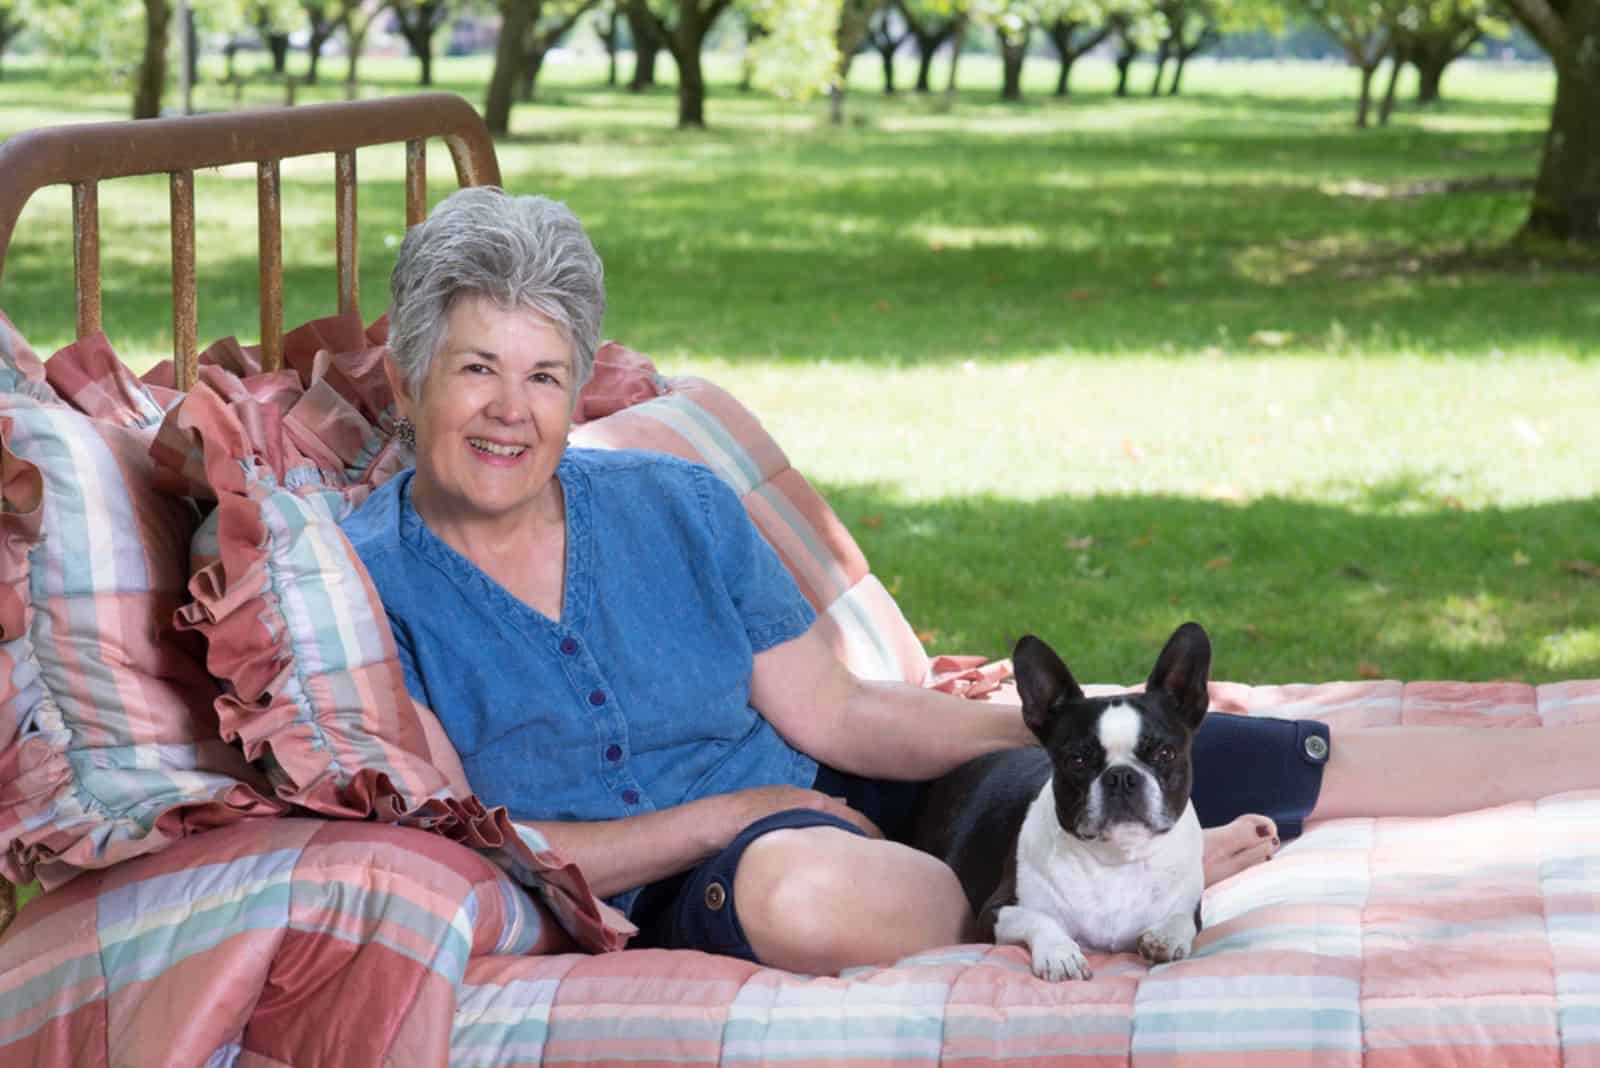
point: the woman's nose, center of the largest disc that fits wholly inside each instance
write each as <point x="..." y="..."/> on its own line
<point x="509" y="405"/>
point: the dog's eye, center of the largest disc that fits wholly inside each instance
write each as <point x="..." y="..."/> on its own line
<point x="1166" y="755"/>
<point x="1077" y="761"/>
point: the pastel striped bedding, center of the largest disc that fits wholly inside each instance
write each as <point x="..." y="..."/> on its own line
<point x="1470" y="940"/>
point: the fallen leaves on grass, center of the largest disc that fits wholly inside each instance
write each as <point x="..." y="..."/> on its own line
<point x="1582" y="568"/>
<point x="1218" y="563"/>
<point x="1366" y="669"/>
<point x="1080" y="544"/>
<point x="1272" y="339"/>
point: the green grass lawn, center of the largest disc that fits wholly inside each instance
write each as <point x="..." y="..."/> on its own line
<point x="1085" y="368"/>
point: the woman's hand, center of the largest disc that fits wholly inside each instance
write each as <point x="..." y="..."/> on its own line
<point x="616" y="855"/>
<point x="744" y="807"/>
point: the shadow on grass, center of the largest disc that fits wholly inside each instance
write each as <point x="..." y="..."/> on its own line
<point x="1197" y="233"/>
<point x="1291" y="591"/>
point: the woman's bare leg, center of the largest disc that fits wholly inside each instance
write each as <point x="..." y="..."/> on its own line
<point x="1437" y="771"/>
<point x="819" y="899"/>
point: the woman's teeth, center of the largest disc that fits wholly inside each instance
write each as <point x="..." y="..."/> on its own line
<point x="496" y="450"/>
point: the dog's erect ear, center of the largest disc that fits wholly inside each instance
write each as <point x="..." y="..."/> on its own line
<point x="1042" y="680"/>
<point x="1182" y="669"/>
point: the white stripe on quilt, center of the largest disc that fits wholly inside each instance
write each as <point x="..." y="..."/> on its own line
<point x="99" y="557"/>
<point x="867" y="654"/>
<point x="717" y="448"/>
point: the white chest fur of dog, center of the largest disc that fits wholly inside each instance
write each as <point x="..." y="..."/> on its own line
<point x="1133" y="891"/>
<point x="1106" y="894"/>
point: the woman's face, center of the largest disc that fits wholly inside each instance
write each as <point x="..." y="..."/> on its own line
<point x="492" y="415"/>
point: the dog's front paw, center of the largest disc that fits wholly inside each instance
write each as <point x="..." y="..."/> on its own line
<point x="1160" y="947"/>
<point x="1059" y="959"/>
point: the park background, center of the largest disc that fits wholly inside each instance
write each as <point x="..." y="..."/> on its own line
<point x="1083" y="364"/>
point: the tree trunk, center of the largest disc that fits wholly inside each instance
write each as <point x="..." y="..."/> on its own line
<point x="1062" y="33"/>
<point x="515" y="17"/>
<point x="278" y="45"/>
<point x="888" y="67"/>
<point x="1064" y="78"/>
<point x="314" y="51"/>
<point x="355" y="44"/>
<point x="646" y="45"/>
<point x="1125" y="60"/>
<point x="928" y="45"/>
<point x="1396" y="63"/>
<point x="1364" y="104"/>
<point x="1566" y="193"/>
<point x="1430" y="73"/>
<point x="691" y="86"/>
<point x="1013" y="51"/>
<point x="153" y="68"/>
<point x="958" y="41"/>
<point x="1177" y="74"/>
<point x="612" y="33"/>
<point x="1162" y="53"/>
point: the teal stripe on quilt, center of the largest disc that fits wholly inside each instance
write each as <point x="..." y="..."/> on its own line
<point x="44" y="988"/>
<point x="718" y="448"/>
<point x="500" y="1022"/>
<point x="153" y="947"/>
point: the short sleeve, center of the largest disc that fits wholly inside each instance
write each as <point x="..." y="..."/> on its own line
<point x="769" y="603"/>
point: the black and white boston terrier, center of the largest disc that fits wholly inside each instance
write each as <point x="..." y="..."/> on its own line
<point x="1089" y="841"/>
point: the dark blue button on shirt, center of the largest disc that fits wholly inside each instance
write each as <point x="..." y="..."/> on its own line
<point x="638" y="698"/>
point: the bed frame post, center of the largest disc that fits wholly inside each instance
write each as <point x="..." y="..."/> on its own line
<point x="344" y="181"/>
<point x="269" y="227"/>
<point x="86" y="255"/>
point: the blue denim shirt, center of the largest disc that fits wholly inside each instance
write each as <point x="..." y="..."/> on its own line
<point x="639" y="698"/>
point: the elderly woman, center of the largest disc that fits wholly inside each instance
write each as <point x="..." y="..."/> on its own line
<point x="621" y="660"/>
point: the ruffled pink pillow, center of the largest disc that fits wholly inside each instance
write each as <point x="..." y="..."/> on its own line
<point x="108" y="742"/>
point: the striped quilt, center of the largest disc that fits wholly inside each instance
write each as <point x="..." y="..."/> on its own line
<point x="285" y="940"/>
<point x="1468" y="940"/>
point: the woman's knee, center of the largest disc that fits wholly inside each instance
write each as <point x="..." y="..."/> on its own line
<point x="822" y="899"/>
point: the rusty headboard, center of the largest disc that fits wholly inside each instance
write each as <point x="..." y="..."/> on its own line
<point x="84" y="155"/>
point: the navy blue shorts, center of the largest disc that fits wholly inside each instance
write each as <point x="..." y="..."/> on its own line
<point x="1242" y="764"/>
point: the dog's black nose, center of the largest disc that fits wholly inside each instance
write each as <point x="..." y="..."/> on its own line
<point x="1120" y="780"/>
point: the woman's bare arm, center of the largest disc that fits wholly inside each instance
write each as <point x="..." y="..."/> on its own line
<point x="886" y="730"/>
<point x="618" y="855"/>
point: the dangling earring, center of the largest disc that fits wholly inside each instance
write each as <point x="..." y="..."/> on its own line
<point x="406" y="431"/>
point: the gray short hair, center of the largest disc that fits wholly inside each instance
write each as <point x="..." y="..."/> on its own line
<point x="522" y="252"/>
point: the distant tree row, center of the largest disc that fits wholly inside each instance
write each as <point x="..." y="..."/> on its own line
<point x="798" y="47"/>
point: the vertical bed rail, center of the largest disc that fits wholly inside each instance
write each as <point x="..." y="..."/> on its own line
<point x="84" y="155"/>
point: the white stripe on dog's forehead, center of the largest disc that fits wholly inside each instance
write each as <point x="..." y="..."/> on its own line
<point x="1119" y="732"/>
